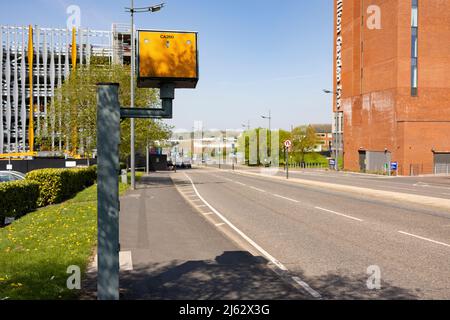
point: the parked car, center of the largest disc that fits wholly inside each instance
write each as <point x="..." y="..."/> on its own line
<point x="7" y="176"/>
<point x="187" y="163"/>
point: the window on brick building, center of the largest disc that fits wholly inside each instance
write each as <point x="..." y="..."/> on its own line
<point x="414" y="47"/>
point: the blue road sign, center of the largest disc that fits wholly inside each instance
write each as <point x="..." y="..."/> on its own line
<point x="394" y="166"/>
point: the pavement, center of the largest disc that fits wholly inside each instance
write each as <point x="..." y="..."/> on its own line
<point x="176" y="253"/>
<point x="332" y="240"/>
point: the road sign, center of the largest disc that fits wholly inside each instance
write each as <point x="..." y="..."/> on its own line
<point x="394" y="166"/>
<point x="332" y="162"/>
<point x="288" y="143"/>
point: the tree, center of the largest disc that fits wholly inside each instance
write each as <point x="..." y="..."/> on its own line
<point x="72" y="116"/>
<point x="284" y="135"/>
<point x="304" y="140"/>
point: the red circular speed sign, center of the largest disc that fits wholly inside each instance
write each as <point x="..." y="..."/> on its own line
<point x="288" y="143"/>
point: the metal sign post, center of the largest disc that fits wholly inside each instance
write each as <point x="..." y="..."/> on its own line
<point x="287" y="145"/>
<point x="108" y="140"/>
<point x="109" y="114"/>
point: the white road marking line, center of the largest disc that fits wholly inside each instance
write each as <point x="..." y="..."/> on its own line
<point x="220" y="224"/>
<point x="126" y="262"/>
<point x="242" y="184"/>
<point x="426" y="239"/>
<point x="201" y="206"/>
<point x="243" y="235"/>
<point x="267" y="255"/>
<point x="339" y="214"/>
<point x="285" y="198"/>
<point x="305" y="286"/>
<point x="257" y="189"/>
<point x="208" y="213"/>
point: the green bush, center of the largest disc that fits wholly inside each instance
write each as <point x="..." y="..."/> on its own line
<point x="18" y="198"/>
<point x="58" y="185"/>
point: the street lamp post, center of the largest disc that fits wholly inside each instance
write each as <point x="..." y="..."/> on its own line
<point x="246" y="126"/>
<point x="132" y="10"/>
<point x="336" y="161"/>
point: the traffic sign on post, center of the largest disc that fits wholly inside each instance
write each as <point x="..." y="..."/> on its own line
<point x="288" y="144"/>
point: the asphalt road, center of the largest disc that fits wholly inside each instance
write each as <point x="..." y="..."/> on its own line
<point x="171" y="252"/>
<point x="329" y="239"/>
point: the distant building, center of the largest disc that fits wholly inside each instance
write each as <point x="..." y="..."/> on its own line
<point x="54" y="52"/>
<point x="392" y="84"/>
<point x="324" y="137"/>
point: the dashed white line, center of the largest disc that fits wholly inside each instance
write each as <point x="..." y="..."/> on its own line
<point x="426" y="239"/>
<point x="339" y="214"/>
<point x="285" y="198"/>
<point x="257" y="189"/>
<point x="240" y="183"/>
<point x="220" y="224"/>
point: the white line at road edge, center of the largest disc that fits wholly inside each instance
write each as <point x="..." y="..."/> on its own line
<point x="339" y="214"/>
<point x="253" y="243"/>
<point x="426" y="239"/>
<point x="311" y="291"/>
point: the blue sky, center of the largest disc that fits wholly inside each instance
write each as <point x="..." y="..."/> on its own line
<point x="255" y="55"/>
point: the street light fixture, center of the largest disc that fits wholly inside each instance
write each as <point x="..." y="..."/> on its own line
<point x="246" y="126"/>
<point x="336" y="164"/>
<point x="269" y="117"/>
<point x="132" y="10"/>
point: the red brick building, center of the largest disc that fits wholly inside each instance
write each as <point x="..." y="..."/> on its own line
<point x="392" y="84"/>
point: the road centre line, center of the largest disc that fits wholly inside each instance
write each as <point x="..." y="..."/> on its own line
<point x="426" y="239"/>
<point x="339" y="214"/>
<point x="285" y="198"/>
<point x="257" y="189"/>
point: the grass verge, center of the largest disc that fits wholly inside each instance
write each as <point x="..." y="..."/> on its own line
<point x="36" y="250"/>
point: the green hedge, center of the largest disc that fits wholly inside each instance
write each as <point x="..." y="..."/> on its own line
<point x="18" y="198"/>
<point x="58" y="185"/>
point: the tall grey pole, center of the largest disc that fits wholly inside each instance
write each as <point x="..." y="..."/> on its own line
<point x="270" y="120"/>
<point x="108" y="140"/>
<point x="132" y="138"/>
<point x="336" y="164"/>
<point x="147" y="163"/>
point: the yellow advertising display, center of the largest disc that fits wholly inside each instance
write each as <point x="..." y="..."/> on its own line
<point x="167" y="57"/>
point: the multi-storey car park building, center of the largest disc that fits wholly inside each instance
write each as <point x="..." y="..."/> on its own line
<point x="42" y="59"/>
<point x="392" y="84"/>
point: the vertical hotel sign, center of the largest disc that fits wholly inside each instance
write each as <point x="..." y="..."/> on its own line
<point x="339" y="7"/>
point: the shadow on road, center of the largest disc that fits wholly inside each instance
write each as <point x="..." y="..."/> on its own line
<point x="232" y="276"/>
<point x="240" y="276"/>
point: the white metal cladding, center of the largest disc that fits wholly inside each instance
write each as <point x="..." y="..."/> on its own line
<point x="52" y="66"/>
